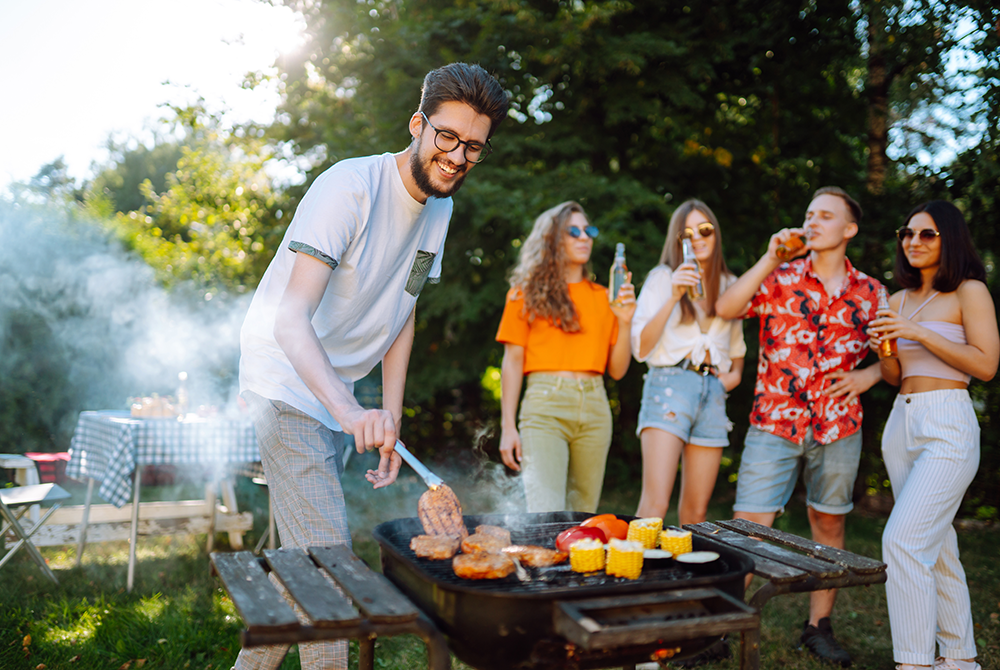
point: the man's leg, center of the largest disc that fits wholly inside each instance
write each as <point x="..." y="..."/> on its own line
<point x="827" y="529"/>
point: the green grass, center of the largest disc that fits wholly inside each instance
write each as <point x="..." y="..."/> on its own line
<point x="178" y="616"/>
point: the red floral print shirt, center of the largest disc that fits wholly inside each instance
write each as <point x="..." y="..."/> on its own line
<point x="804" y="333"/>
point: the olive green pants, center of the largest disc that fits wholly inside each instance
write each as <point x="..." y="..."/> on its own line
<point x="565" y="427"/>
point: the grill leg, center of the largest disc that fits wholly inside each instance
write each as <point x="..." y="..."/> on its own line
<point x="366" y="652"/>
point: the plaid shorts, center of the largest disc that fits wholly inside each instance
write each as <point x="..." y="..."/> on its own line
<point x="303" y="462"/>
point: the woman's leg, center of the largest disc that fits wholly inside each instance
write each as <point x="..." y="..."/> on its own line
<point x="699" y="470"/>
<point x="931" y="449"/>
<point x="661" y="452"/>
<point x="588" y="448"/>
<point x="545" y="439"/>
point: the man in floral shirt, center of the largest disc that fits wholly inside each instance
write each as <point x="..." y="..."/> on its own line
<point x="813" y="312"/>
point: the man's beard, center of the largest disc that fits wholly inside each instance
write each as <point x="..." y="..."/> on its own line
<point x="422" y="177"/>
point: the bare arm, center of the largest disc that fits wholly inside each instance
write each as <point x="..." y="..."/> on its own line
<point x="979" y="357"/>
<point x="394" y="366"/>
<point x="684" y="276"/>
<point x="294" y="333"/>
<point x="620" y="355"/>
<point x="511" y="379"/>
<point x="735" y="302"/>
<point x="732" y="379"/>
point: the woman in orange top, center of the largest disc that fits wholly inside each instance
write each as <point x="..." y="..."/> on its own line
<point x="560" y="331"/>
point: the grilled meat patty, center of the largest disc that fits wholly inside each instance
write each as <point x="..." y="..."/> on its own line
<point x="496" y="531"/>
<point x="536" y="557"/>
<point x="437" y="547"/>
<point x="479" y="542"/>
<point x="440" y="512"/>
<point x="482" y="566"/>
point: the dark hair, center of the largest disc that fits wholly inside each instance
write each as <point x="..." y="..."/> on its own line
<point x="959" y="260"/>
<point x="673" y="257"/>
<point x="852" y="204"/>
<point x="471" y="84"/>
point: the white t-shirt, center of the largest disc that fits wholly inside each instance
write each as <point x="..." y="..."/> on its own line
<point x="383" y="246"/>
<point x="724" y="339"/>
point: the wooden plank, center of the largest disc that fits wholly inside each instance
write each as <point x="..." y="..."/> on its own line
<point x="860" y="564"/>
<point x="775" y="563"/>
<point x="325" y="606"/>
<point x="51" y="535"/>
<point x="263" y="609"/>
<point x="374" y="595"/>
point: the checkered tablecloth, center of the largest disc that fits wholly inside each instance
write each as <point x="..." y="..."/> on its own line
<point x="108" y="445"/>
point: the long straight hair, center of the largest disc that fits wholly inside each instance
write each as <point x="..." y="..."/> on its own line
<point x="539" y="273"/>
<point x="711" y="271"/>
<point x="959" y="258"/>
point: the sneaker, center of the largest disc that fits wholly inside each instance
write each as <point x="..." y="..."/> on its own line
<point x="719" y="651"/>
<point x="820" y="642"/>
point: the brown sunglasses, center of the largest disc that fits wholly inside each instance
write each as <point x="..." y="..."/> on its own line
<point x="926" y="235"/>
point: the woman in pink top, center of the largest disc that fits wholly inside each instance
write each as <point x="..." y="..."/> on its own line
<point x="945" y="325"/>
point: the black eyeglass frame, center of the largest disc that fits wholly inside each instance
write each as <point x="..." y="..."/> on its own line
<point x="705" y="229"/>
<point x="591" y="231"/>
<point x="485" y="151"/>
<point x="926" y="235"/>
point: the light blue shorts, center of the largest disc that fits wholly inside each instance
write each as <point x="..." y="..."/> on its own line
<point x="686" y="404"/>
<point x="770" y="468"/>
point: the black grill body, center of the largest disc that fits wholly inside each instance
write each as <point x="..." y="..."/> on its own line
<point x="507" y="624"/>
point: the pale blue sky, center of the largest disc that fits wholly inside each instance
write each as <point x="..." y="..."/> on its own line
<point x="75" y="71"/>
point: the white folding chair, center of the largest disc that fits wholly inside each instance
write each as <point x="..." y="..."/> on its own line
<point x="22" y="498"/>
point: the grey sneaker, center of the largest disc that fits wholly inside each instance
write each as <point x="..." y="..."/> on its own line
<point x="820" y="642"/>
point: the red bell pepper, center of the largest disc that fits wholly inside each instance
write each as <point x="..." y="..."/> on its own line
<point x="566" y="538"/>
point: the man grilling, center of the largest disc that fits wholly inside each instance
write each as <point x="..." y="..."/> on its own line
<point x="338" y="299"/>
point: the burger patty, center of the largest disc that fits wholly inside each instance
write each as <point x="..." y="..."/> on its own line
<point x="536" y="557"/>
<point x="482" y="566"/>
<point x="436" y="547"/>
<point x="480" y="542"/>
<point x="496" y="531"/>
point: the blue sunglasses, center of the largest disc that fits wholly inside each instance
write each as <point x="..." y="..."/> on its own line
<point x="591" y="231"/>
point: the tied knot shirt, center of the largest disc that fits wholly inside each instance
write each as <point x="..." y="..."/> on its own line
<point x="548" y="347"/>
<point x="804" y="334"/>
<point x="721" y="343"/>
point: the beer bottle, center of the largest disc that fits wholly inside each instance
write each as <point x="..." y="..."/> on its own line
<point x="787" y="249"/>
<point x="696" y="292"/>
<point x="887" y="348"/>
<point x="618" y="273"/>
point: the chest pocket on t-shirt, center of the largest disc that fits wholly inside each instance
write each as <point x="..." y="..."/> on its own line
<point x="420" y="272"/>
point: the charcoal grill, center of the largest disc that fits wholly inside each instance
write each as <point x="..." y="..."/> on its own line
<point x="561" y="619"/>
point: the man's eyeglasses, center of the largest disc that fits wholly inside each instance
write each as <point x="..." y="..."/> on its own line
<point x="926" y="235"/>
<point x="591" y="231"/>
<point x="447" y="141"/>
<point x="705" y="229"/>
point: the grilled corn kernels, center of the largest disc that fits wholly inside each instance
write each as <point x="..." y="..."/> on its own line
<point x="586" y="556"/>
<point x="645" y="531"/>
<point x="676" y="541"/>
<point x="624" y="559"/>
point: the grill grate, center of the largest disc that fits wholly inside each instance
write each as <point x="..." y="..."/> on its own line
<point x="543" y="580"/>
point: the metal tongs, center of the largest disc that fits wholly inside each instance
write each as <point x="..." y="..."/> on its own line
<point x="431" y="479"/>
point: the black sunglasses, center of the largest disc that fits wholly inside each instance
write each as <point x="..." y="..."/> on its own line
<point x="926" y="235"/>
<point x="705" y="229"/>
<point x="592" y="231"/>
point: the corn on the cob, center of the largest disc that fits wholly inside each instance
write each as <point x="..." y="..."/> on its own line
<point x="645" y="531"/>
<point x="624" y="559"/>
<point x="676" y="541"/>
<point x="586" y="555"/>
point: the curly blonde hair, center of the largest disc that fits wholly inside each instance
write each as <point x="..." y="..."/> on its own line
<point x="539" y="273"/>
<point x="712" y="271"/>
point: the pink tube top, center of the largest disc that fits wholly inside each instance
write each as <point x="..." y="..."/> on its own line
<point x="916" y="361"/>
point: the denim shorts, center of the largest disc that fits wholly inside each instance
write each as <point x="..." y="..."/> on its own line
<point x="770" y="468"/>
<point x="686" y="404"/>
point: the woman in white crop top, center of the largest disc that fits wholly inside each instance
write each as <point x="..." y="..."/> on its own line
<point x="945" y="325"/>
<point x="695" y="358"/>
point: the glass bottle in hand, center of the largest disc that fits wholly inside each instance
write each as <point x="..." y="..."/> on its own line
<point x="696" y="292"/>
<point x="888" y="347"/>
<point x="618" y="273"/>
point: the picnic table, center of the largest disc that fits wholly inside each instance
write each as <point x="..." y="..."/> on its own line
<point x="366" y="605"/>
<point x="789" y="564"/>
<point x="113" y="447"/>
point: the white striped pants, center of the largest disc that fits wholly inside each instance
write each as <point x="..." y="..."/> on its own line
<point x="931" y="451"/>
<point x="303" y="461"/>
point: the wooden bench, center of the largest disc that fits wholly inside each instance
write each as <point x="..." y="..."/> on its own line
<point x="369" y="605"/>
<point x="811" y="567"/>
